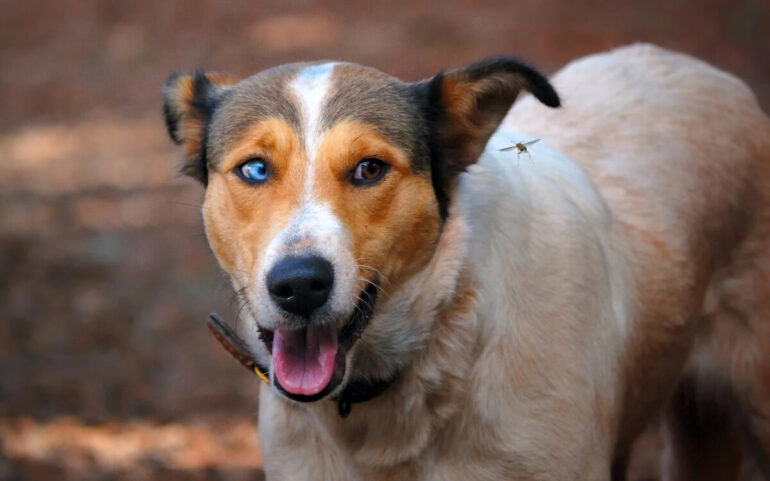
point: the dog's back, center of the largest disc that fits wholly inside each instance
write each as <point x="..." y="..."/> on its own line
<point x="681" y="153"/>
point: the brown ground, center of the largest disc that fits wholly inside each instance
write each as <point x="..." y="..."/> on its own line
<point x="106" y="370"/>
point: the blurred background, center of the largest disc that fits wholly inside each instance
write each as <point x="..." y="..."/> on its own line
<point x="106" y="369"/>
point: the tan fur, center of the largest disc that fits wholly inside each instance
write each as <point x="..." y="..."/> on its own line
<point x="691" y="186"/>
<point x="194" y="123"/>
<point x="190" y="119"/>
<point x="565" y="298"/>
<point x="392" y="225"/>
<point x="471" y="118"/>
<point x="241" y="220"/>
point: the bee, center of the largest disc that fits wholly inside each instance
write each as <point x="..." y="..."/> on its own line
<point x="521" y="147"/>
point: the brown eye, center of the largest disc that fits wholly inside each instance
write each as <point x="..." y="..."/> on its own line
<point x="369" y="171"/>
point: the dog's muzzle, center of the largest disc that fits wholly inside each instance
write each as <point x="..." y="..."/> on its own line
<point x="354" y="392"/>
<point x="309" y="356"/>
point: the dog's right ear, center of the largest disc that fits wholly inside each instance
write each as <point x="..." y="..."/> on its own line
<point x="189" y="100"/>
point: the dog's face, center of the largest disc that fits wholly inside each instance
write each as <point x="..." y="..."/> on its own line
<point x="326" y="187"/>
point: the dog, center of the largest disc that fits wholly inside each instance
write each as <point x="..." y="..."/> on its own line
<point x="425" y="307"/>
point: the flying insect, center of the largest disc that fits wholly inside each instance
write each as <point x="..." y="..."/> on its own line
<point x="521" y="147"/>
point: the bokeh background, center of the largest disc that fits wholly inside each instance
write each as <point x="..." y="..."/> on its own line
<point x="106" y="369"/>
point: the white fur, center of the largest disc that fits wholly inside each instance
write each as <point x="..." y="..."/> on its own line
<point x="313" y="225"/>
<point x="506" y="220"/>
<point x="318" y="231"/>
<point x="565" y="293"/>
<point x="311" y="86"/>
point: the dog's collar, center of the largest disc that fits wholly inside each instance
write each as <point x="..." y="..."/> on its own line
<point x="354" y="392"/>
<point x="360" y="391"/>
<point x="235" y="346"/>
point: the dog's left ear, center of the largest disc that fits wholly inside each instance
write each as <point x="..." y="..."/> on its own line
<point x="464" y="107"/>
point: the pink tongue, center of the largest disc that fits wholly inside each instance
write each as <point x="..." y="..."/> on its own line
<point x="304" y="358"/>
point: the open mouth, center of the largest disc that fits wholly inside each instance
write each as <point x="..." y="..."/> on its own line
<point x="309" y="363"/>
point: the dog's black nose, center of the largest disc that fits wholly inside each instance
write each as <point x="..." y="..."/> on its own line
<point x="301" y="285"/>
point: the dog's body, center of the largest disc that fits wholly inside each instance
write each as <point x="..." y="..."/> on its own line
<point x="535" y="327"/>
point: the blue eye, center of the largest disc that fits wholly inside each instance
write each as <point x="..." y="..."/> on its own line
<point x="253" y="171"/>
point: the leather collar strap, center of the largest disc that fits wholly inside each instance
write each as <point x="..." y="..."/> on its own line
<point x="354" y="392"/>
<point x="235" y="346"/>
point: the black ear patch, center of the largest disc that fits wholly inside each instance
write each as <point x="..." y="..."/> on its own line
<point x="189" y="100"/>
<point x="535" y="82"/>
<point x="463" y="107"/>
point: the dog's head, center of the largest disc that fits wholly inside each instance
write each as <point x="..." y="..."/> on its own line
<point x="327" y="182"/>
